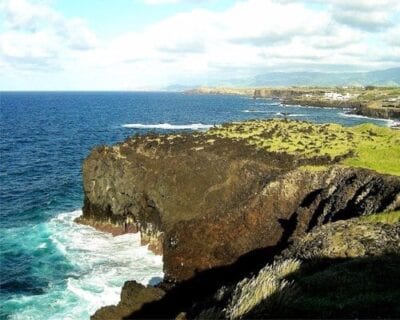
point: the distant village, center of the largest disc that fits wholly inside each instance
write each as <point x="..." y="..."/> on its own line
<point x="340" y="96"/>
<point x="333" y="96"/>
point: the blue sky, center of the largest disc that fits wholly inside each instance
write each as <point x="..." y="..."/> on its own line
<point x="151" y="44"/>
<point x="111" y="18"/>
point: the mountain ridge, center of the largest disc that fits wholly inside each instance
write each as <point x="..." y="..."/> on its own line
<point x="385" y="77"/>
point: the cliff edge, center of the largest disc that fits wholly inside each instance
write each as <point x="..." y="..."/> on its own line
<point x="203" y="200"/>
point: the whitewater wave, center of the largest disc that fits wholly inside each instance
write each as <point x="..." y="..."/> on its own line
<point x="168" y="126"/>
<point x="269" y="103"/>
<point x="291" y="114"/>
<point x="257" y="111"/>
<point x="307" y="107"/>
<point x="389" y="122"/>
<point x="101" y="264"/>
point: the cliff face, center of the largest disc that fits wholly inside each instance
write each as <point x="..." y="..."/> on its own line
<point x="345" y="269"/>
<point x="383" y="113"/>
<point x="278" y="93"/>
<point x="204" y="201"/>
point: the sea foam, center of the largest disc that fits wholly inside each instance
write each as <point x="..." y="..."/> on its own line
<point x="291" y="114"/>
<point x="101" y="265"/>
<point x="388" y="122"/>
<point x="168" y="126"/>
<point x="257" y="111"/>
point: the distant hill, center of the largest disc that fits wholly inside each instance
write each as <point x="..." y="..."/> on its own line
<point x="389" y="77"/>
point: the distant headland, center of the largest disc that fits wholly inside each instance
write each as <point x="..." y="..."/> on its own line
<point x="369" y="101"/>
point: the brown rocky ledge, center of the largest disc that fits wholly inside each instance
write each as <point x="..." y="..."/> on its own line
<point x="203" y="201"/>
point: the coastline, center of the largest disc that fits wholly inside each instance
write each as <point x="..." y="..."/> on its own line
<point x="242" y="205"/>
<point x="61" y="191"/>
<point x="307" y="97"/>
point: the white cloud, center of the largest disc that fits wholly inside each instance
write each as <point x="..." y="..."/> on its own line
<point x="36" y="36"/>
<point x="23" y="15"/>
<point x="367" y="15"/>
<point x="189" y="47"/>
<point x="366" y="5"/>
<point x="393" y="37"/>
<point x="157" y="2"/>
<point x="162" y="2"/>
<point x="250" y="34"/>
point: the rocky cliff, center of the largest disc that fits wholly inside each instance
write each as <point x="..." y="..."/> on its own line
<point x="203" y="200"/>
<point x="344" y="269"/>
<point x="219" y="205"/>
<point x="382" y="113"/>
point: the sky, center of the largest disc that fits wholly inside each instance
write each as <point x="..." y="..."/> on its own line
<point x="152" y="44"/>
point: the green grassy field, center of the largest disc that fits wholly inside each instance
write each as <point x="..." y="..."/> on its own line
<point x="367" y="146"/>
<point x="387" y="217"/>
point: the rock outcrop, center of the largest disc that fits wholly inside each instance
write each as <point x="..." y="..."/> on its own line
<point x="203" y="201"/>
<point x="133" y="297"/>
<point x="329" y="273"/>
<point x="346" y="239"/>
<point x="382" y="113"/>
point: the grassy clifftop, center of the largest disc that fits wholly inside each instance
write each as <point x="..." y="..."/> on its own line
<point x="367" y="146"/>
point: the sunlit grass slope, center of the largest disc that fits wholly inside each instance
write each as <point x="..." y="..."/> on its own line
<point x="386" y="217"/>
<point x="367" y="146"/>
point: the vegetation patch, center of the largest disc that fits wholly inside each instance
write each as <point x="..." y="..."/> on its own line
<point x="367" y="146"/>
<point x="313" y="280"/>
<point x="377" y="148"/>
<point x="268" y="289"/>
<point x="366" y="287"/>
<point x="387" y="217"/>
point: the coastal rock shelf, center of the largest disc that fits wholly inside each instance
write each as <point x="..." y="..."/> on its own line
<point x="203" y="200"/>
<point x="375" y="102"/>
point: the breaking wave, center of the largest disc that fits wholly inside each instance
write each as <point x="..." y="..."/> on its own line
<point x="168" y="126"/>
<point x="258" y="111"/>
<point x="98" y="266"/>
<point x="389" y="122"/>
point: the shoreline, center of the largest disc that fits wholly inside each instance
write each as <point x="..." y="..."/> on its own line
<point x="234" y="230"/>
<point x="315" y="97"/>
<point x="154" y="244"/>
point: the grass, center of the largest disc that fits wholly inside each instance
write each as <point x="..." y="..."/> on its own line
<point x="269" y="285"/>
<point x="377" y="148"/>
<point x="293" y="137"/>
<point x="387" y="217"/>
<point x="366" y="287"/>
<point x="379" y="93"/>
<point x="313" y="168"/>
<point x="366" y="146"/>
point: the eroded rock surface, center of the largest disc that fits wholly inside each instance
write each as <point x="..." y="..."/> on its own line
<point x="204" y="201"/>
<point x="347" y="239"/>
<point x="133" y="297"/>
<point x="329" y="273"/>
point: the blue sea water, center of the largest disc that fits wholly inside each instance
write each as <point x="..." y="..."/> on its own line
<point x="50" y="267"/>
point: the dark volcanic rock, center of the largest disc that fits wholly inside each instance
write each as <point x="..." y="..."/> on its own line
<point x="202" y="202"/>
<point x="383" y="113"/>
<point x="346" y="239"/>
<point x="329" y="273"/>
<point x="133" y="297"/>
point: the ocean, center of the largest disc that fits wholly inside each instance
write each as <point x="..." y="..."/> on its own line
<point x="51" y="267"/>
